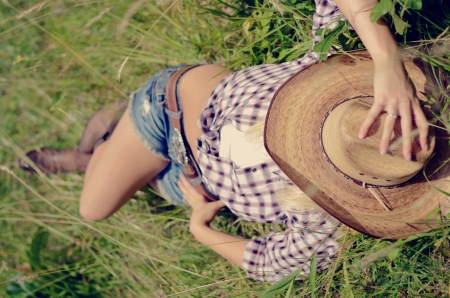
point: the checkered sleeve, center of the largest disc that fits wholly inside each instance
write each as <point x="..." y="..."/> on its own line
<point x="327" y="15"/>
<point x="272" y="257"/>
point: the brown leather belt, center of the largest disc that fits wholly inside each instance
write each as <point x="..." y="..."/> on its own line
<point x="179" y="143"/>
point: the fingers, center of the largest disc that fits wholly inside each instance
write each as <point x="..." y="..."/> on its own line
<point x="394" y="93"/>
<point x="405" y="113"/>
<point x="197" y="201"/>
<point x="406" y="122"/>
<point x="389" y="123"/>
<point x="422" y="124"/>
<point x="375" y="110"/>
<point x="217" y="205"/>
<point x="187" y="186"/>
<point x="190" y="194"/>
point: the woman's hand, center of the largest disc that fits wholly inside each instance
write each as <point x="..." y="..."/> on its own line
<point x="230" y="247"/>
<point x="395" y="94"/>
<point x="203" y="212"/>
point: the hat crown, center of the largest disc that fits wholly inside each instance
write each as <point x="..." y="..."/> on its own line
<point x="361" y="160"/>
<point x="294" y="136"/>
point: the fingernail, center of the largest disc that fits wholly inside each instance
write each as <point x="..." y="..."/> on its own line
<point x="361" y="135"/>
<point x="383" y="150"/>
<point x="425" y="148"/>
<point x="408" y="156"/>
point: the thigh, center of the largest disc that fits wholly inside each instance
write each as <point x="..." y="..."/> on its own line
<point x="118" y="168"/>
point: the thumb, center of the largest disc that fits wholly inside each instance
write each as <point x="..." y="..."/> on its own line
<point x="217" y="205"/>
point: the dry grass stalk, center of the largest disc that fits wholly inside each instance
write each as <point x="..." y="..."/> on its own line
<point x="127" y="16"/>
<point x="30" y="10"/>
<point x="375" y="195"/>
<point x="98" y="17"/>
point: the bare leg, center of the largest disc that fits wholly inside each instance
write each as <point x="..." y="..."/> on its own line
<point x="118" y="168"/>
<point x="122" y="165"/>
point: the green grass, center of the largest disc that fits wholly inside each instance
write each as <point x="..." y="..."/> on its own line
<point x="59" y="63"/>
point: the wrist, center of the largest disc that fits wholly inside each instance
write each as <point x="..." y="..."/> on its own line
<point x="391" y="65"/>
<point x="198" y="229"/>
<point x="386" y="55"/>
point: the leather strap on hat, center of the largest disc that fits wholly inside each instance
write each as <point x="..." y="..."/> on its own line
<point x="190" y="166"/>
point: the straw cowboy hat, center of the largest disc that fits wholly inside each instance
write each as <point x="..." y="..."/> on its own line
<point x="311" y="132"/>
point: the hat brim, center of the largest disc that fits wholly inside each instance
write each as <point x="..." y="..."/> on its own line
<point x="291" y="137"/>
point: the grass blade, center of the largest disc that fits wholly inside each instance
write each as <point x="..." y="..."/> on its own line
<point x="280" y="285"/>
<point x="312" y="276"/>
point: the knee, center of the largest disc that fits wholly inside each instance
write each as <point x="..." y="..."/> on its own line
<point x="91" y="213"/>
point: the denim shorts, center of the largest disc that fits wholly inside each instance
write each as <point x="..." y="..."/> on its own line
<point x="151" y="122"/>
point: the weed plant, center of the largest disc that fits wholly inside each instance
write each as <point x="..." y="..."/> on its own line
<point x="59" y="61"/>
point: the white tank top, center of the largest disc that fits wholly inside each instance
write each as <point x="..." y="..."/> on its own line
<point x="233" y="145"/>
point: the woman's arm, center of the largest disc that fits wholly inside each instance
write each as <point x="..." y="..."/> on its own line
<point x="230" y="247"/>
<point x="267" y="258"/>
<point x="376" y="36"/>
<point x="394" y="92"/>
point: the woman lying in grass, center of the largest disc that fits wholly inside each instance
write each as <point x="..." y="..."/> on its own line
<point x="218" y="108"/>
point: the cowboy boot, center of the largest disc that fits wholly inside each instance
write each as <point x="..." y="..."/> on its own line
<point x="51" y="161"/>
<point x="100" y="127"/>
<point x="97" y="130"/>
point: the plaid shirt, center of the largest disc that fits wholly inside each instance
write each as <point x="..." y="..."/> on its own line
<point x="244" y="97"/>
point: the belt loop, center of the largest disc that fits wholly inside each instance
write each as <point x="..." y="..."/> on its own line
<point x="195" y="181"/>
<point x="160" y="88"/>
<point x="176" y="115"/>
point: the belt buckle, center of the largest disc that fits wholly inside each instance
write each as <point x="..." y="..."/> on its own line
<point x="178" y="147"/>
